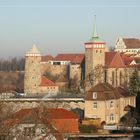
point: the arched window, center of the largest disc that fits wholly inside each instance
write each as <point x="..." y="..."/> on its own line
<point x="113" y="78"/>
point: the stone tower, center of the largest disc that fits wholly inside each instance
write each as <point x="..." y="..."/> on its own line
<point x="94" y="56"/>
<point x="32" y="76"/>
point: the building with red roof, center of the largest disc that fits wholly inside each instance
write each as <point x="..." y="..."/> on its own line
<point x="128" y="45"/>
<point x="80" y="70"/>
<point x="115" y="67"/>
<point x="40" y="122"/>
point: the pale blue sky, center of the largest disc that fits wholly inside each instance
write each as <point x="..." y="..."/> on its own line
<point x="59" y="26"/>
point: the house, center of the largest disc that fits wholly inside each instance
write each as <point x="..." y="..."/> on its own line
<point x="40" y="123"/>
<point x="128" y="45"/>
<point x="107" y="103"/>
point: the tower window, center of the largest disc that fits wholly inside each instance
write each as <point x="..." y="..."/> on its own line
<point x="111" y="104"/>
<point x="112" y="117"/>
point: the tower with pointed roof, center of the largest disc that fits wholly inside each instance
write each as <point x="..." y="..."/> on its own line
<point x="32" y="77"/>
<point x="94" y="53"/>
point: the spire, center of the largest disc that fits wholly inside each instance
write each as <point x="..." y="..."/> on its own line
<point x="95" y="37"/>
<point x="33" y="52"/>
<point x="95" y="29"/>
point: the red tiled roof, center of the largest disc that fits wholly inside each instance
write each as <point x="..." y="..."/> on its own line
<point x="132" y="43"/>
<point x="60" y="113"/>
<point x="47" y="58"/>
<point x="109" y="57"/>
<point x="46" y="82"/>
<point x="107" y="92"/>
<point x="114" y="60"/>
<point x="52" y="113"/>
<point x="74" y="58"/>
<point x="127" y="60"/>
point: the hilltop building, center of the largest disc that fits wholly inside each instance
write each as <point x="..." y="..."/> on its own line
<point x="128" y="46"/>
<point x="97" y="65"/>
<point x="101" y="65"/>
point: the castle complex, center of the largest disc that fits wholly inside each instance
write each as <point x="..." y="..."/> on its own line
<point x="47" y="74"/>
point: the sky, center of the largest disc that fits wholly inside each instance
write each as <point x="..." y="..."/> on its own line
<point x="63" y="26"/>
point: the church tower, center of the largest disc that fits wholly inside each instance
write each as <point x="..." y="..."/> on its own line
<point x="32" y="76"/>
<point x="94" y="55"/>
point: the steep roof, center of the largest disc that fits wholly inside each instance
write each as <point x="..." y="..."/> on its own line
<point x="95" y="37"/>
<point x="132" y="43"/>
<point x="114" y="60"/>
<point x="74" y="58"/>
<point x="107" y="92"/>
<point x="33" y="52"/>
<point x="127" y="59"/>
<point x="47" y="58"/>
<point x="46" y="82"/>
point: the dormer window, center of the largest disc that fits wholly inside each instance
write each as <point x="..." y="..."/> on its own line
<point x="94" y="95"/>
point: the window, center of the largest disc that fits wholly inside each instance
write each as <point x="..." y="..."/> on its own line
<point x="111" y="104"/>
<point x="96" y="51"/>
<point x="94" y="95"/>
<point x="113" y="78"/>
<point x="112" y="117"/>
<point x="28" y="131"/>
<point x="94" y="105"/>
<point x="120" y="78"/>
<point x="100" y="51"/>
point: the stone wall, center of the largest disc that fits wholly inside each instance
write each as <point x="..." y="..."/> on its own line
<point x="54" y="70"/>
<point x="15" y="106"/>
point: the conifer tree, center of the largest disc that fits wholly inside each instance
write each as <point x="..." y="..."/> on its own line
<point x="134" y="84"/>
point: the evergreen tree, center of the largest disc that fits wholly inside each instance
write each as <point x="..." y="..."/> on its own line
<point x="134" y="84"/>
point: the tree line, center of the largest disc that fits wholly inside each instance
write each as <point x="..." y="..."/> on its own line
<point x="12" y="64"/>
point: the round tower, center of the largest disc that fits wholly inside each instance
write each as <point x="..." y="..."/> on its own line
<point x="32" y="76"/>
<point x="94" y="54"/>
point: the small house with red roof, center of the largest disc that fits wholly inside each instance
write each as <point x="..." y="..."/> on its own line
<point x="48" y="86"/>
<point x="41" y="123"/>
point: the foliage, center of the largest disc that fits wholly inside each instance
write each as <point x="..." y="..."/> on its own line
<point x="134" y="84"/>
<point x="12" y="64"/>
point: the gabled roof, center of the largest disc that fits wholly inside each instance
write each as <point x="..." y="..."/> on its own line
<point x="25" y="115"/>
<point x="114" y="60"/>
<point x="61" y="78"/>
<point x="132" y="43"/>
<point x="47" y="58"/>
<point x="73" y="58"/>
<point x="106" y="91"/>
<point x="46" y="82"/>
<point x="127" y="59"/>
